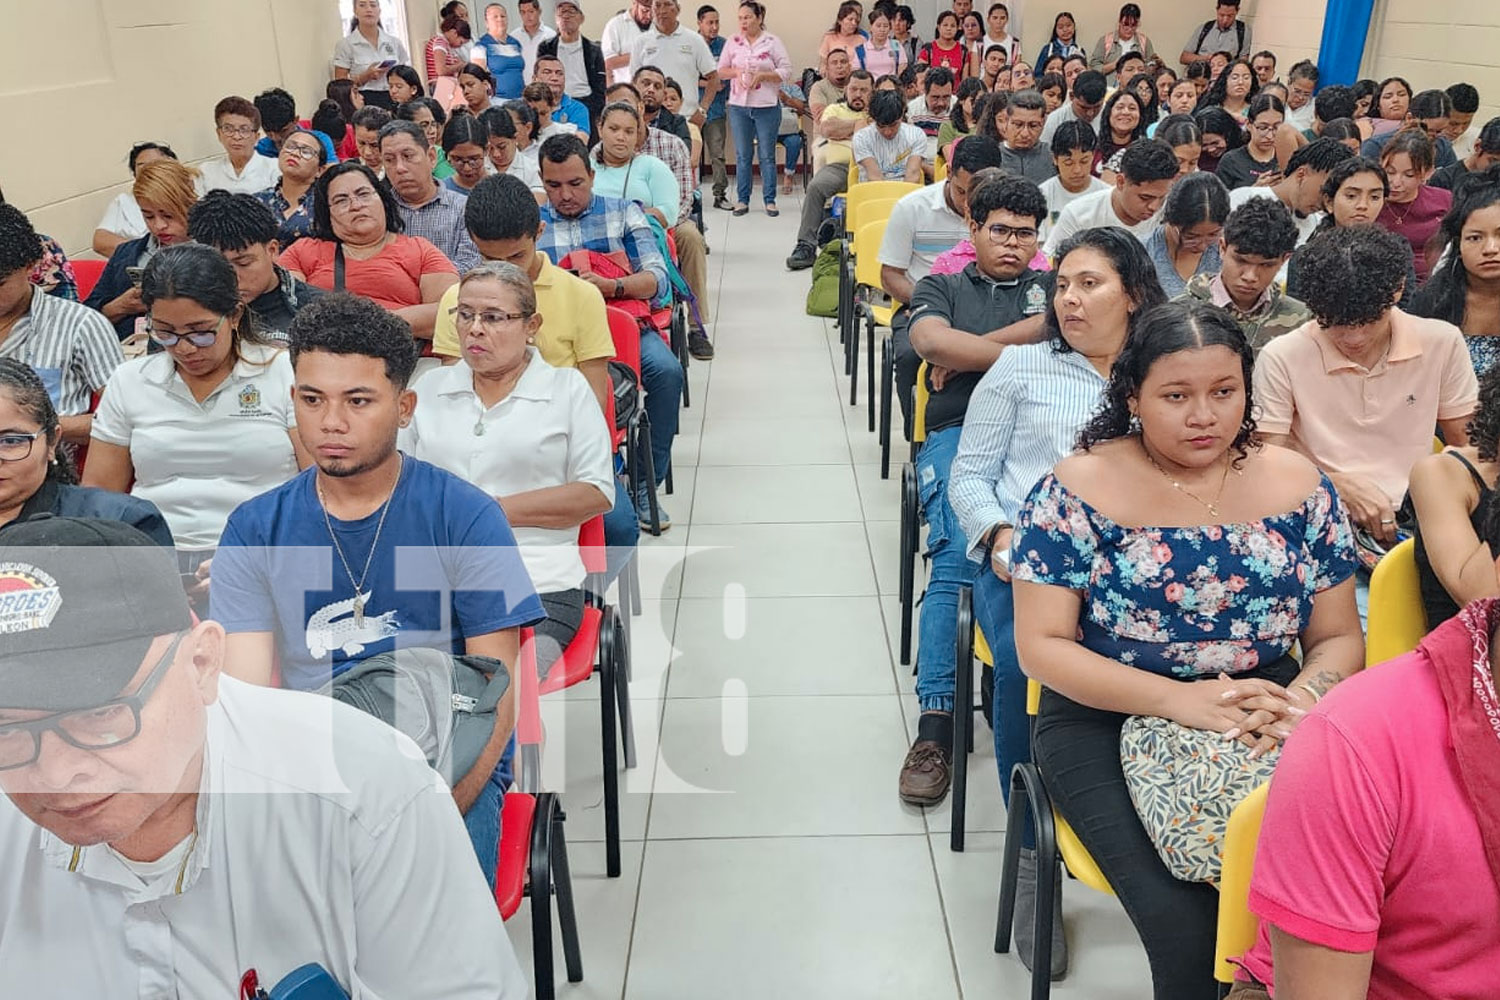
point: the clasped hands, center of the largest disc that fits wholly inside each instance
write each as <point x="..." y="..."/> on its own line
<point x="1257" y="713"/>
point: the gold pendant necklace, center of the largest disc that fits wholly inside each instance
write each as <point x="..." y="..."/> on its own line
<point x="359" y="585"/>
<point x="1212" y="506"/>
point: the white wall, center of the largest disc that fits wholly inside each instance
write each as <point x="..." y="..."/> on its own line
<point x="1434" y="43"/>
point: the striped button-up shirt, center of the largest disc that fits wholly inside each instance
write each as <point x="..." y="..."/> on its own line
<point x="1023" y="417"/>
<point x="607" y="226"/>
<point x="73" y="348"/>
<point x="441" y="223"/>
<point x="672" y="151"/>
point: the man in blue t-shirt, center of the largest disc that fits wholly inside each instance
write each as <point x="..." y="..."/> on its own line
<point x="371" y="550"/>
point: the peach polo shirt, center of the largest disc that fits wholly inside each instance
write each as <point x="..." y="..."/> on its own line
<point x="1373" y="422"/>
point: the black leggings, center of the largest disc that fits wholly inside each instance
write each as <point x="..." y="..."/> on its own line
<point x="1077" y="749"/>
<point x="564" y="614"/>
<point x="379" y="98"/>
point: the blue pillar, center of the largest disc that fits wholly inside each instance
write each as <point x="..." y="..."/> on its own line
<point x="1345" y="25"/>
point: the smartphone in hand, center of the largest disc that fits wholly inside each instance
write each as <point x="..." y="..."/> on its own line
<point x="134" y="274"/>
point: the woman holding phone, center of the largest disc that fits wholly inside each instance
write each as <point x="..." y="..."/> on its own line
<point x="367" y="53"/>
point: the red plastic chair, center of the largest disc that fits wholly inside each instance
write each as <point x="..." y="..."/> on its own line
<point x="640" y="468"/>
<point x="86" y="273"/>
<point x="600" y="645"/>
<point x="533" y="859"/>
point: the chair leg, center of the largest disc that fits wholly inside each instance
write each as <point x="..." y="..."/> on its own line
<point x="908" y="557"/>
<point x="1027" y="793"/>
<point x="609" y="651"/>
<point x="648" y="479"/>
<point x="667" y="484"/>
<point x="844" y="278"/>
<point x="611" y="762"/>
<point x="541" y="906"/>
<point x="887" y="392"/>
<point x="852" y="364"/>
<point x="870" y="369"/>
<point x="562" y="887"/>
<point x="679" y="329"/>
<point x="963" y="716"/>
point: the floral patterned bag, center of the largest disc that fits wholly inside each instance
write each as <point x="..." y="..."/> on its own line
<point x="1185" y="783"/>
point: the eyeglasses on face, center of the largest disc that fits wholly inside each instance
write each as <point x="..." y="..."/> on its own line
<point x="488" y="318"/>
<point x="344" y="202"/>
<point x="298" y="149"/>
<point x="1000" y="235"/>
<point x="467" y="162"/>
<point x="198" y="338"/>
<point x="16" y="445"/>
<point x="238" y="131"/>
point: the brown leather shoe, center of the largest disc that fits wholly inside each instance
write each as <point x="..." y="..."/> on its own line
<point x="925" y="773"/>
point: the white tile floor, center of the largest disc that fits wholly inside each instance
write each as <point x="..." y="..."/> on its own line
<point x="766" y="851"/>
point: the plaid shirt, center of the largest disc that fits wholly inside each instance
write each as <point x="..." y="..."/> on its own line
<point x="608" y="225"/>
<point x="672" y="151"/>
<point x="441" y="223"/>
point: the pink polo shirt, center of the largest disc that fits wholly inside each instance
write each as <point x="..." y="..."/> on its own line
<point x="1370" y="843"/>
<point x="1373" y="422"/>
<point x="763" y="55"/>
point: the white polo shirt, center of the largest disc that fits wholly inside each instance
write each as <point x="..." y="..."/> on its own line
<point x="529" y="45"/>
<point x="548" y="432"/>
<point x="1090" y="212"/>
<point x="260" y="172"/>
<point x="123" y="217"/>
<point x="322" y="837"/>
<point x="620" y="33"/>
<point x="921" y="228"/>
<point x="199" y="461"/>
<point x="683" y="56"/>
<point x="356" y="55"/>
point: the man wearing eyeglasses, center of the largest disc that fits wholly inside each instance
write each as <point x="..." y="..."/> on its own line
<point x="430" y="210"/>
<point x="240" y="170"/>
<point x="166" y="829"/>
<point x="1023" y="154"/>
<point x="956" y="327"/>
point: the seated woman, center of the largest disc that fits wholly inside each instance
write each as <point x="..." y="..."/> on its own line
<point x="1222" y="135"/>
<point x="122" y="220"/>
<point x="39" y="476"/>
<point x="404" y="84"/>
<point x="465" y="139"/>
<point x="620" y="171"/>
<point x="205" y="424"/>
<point x="302" y="159"/>
<point x="165" y="192"/>
<point x="357" y="245"/>
<point x="478" y="87"/>
<point x="1167" y="570"/>
<point x="1465" y="286"/>
<point x="1449" y="494"/>
<point x="503" y="155"/>
<point x="538" y="444"/>
<point x="1353" y="195"/>
<point x="429" y="114"/>
<point x="1187" y="242"/>
<point x="1023" y="417"/>
<point x="527" y="126"/>
<point x="1413" y="208"/>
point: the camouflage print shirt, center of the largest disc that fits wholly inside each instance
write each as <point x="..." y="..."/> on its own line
<point x="1276" y="312"/>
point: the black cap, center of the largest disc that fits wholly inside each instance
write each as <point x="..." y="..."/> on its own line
<point x="80" y="602"/>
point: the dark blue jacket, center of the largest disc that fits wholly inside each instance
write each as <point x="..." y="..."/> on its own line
<point x="87" y="501"/>
<point x="114" y="282"/>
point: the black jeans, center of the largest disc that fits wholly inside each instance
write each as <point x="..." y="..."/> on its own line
<point x="564" y="614"/>
<point x="1077" y="749"/>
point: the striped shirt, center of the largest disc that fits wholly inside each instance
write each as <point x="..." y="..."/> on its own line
<point x="1023" y="417"/>
<point x="607" y="226"/>
<point x="441" y="223"/>
<point x="921" y="227"/>
<point x="73" y="348"/>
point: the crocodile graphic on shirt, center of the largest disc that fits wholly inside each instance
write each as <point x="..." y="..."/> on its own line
<point x="325" y="634"/>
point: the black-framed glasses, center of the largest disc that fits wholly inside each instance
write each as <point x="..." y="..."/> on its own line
<point x="198" y="338"/>
<point x="112" y="724"/>
<point x="239" y="131"/>
<point x="1000" y="235"/>
<point x="467" y="162"/>
<point x="16" y="445"/>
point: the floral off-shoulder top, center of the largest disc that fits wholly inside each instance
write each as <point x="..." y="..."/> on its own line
<point x="1186" y="602"/>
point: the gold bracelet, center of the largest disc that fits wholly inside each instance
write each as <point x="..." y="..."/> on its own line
<point x="1316" y="694"/>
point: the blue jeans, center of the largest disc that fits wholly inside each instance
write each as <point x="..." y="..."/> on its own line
<point x="949" y="569"/>
<point x="661" y="377"/>
<point x="622" y="531"/>
<point x="793" y="143"/>
<point x="483" y="818"/>
<point x="994" y="611"/>
<point x="752" y="125"/>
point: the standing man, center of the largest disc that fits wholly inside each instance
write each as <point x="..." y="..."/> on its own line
<point x="584" y="76"/>
<point x="1023" y="154"/>
<point x="682" y="55"/>
<point x="1225" y="33"/>
<point x="619" y="38"/>
<point x="715" y="121"/>
<point x="428" y="209"/>
<point x="834" y="130"/>
<point x="533" y="33"/>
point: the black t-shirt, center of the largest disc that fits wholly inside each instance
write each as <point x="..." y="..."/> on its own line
<point x="1238" y="169"/>
<point x="971" y="302"/>
<point x="1448" y="177"/>
<point x="275" y="309"/>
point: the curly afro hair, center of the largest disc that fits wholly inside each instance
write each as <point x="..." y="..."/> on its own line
<point x="1484" y="426"/>
<point x="347" y="324"/>
<point x="1261" y="227"/>
<point x="1352" y="275"/>
<point x="20" y="246"/>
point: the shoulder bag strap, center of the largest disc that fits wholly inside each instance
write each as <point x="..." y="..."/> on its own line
<point x="338" y="267"/>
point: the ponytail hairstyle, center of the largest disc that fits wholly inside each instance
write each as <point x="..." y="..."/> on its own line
<point x="26" y="390"/>
<point x="204" y="275"/>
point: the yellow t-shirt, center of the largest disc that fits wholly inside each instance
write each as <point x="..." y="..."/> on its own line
<point x="839" y="150"/>
<point x="574" y="328"/>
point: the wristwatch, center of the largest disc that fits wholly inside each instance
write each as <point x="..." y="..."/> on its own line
<point x="619" y="289"/>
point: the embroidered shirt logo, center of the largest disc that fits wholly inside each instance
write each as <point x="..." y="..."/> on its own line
<point x="1036" y="300"/>
<point x="29" y="598"/>
<point x="250" y="401"/>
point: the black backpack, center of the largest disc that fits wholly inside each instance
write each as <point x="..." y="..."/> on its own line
<point x="1239" y="40"/>
<point x="627" y="393"/>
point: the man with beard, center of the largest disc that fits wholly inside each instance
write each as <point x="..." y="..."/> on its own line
<point x="834" y="130"/>
<point x="619" y="38"/>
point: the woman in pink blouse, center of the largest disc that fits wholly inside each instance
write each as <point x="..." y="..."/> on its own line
<point x="1413" y="209"/>
<point x="756" y="65"/>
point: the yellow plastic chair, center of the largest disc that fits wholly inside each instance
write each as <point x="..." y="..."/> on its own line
<point x="940" y="171"/>
<point x="911" y="514"/>
<point x="870" y="191"/>
<point x="1237" y="925"/>
<point x="1398" y="621"/>
<point x="868" y="233"/>
<point x="866" y="211"/>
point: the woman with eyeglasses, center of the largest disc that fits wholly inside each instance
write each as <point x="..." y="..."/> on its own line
<point x="358" y="245"/>
<point x="1255" y="163"/>
<point x="465" y="141"/>
<point x="302" y="159"/>
<point x="37" y="476"/>
<point x="240" y="170"/>
<point x="528" y="434"/>
<point x="1187" y="243"/>
<point x="206" y="423"/>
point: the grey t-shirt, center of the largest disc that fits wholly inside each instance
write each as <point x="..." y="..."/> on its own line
<point x="1034" y="164"/>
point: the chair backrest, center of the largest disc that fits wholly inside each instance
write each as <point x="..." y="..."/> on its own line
<point x="867" y="252"/>
<point x="873" y="210"/>
<point x="1398" y="620"/>
<point x="591" y="544"/>
<point x="528" y="701"/>
<point x="626" y="333"/>
<point x="940" y="170"/>
<point x="1237" y="925"/>
<point x="86" y="273"/>
<point x="919" y="406"/>
<point x="870" y="191"/>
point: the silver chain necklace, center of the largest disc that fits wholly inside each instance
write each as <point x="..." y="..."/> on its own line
<point x="359" y="586"/>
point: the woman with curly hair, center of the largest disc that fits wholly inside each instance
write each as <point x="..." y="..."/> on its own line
<point x="1232" y="90"/>
<point x="1122" y="122"/>
<point x="1143" y="588"/>
<point x="1465" y="287"/>
<point x="1448" y="498"/>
